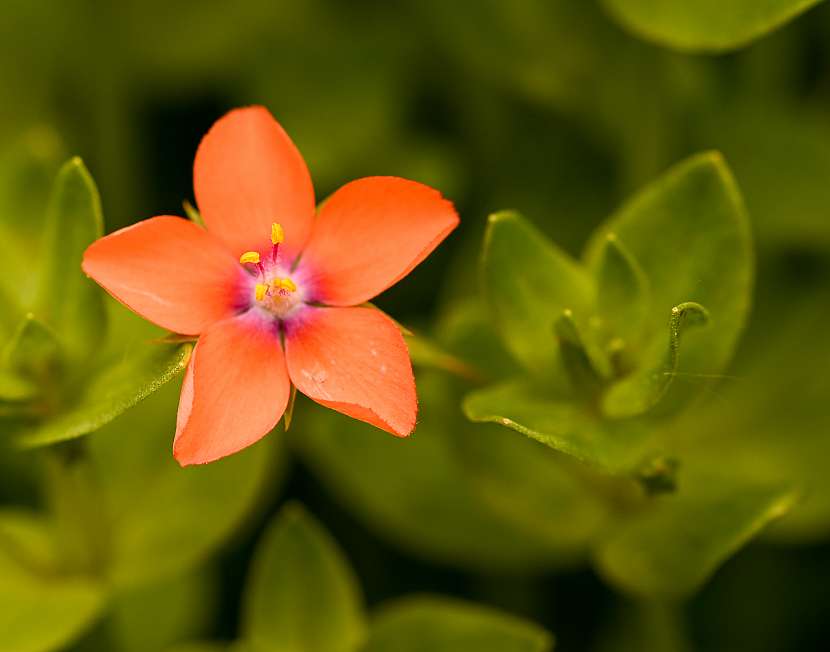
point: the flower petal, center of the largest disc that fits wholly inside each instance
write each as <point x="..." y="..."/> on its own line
<point x="355" y="361"/>
<point x="169" y="271"/>
<point x="370" y="234"/>
<point x="234" y="392"/>
<point x="247" y="175"/>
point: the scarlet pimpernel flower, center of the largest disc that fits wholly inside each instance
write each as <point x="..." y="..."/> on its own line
<point x="274" y="288"/>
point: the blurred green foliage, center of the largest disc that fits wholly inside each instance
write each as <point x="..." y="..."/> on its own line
<point x="554" y="112"/>
<point x="302" y="595"/>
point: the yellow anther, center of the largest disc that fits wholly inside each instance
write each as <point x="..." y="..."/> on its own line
<point x="260" y="291"/>
<point x="249" y="257"/>
<point x="277" y="233"/>
<point x="285" y="284"/>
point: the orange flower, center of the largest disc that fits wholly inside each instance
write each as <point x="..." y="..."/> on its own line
<point x="273" y="291"/>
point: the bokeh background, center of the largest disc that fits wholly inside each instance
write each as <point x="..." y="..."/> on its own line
<point x="550" y="108"/>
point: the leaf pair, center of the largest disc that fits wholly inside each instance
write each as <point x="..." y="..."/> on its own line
<point x="601" y="343"/>
<point x="65" y="369"/>
<point x="65" y="322"/>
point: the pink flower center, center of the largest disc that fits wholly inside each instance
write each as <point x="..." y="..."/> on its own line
<point x="275" y="291"/>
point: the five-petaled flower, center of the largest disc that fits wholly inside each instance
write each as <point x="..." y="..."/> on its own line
<point x="273" y="287"/>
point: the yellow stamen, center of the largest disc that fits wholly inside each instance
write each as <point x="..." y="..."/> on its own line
<point x="285" y="284"/>
<point x="249" y="257"/>
<point x="277" y="233"/>
<point x="260" y="291"/>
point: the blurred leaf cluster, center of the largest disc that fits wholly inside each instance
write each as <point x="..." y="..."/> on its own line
<point x="641" y="286"/>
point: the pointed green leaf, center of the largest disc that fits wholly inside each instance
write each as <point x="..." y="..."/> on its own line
<point x="623" y="295"/>
<point x="690" y="234"/>
<point x="674" y="545"/>
<point x="117" y="385"/>
<point x="42" y="608"/>
<point x="70" y="303"/>
<point x="704" y="25"/>
<point x="301" y="593"/>
<point x="644" y="389"/>
<point x="567" y="427"/>
<point x="433" y="624"/>
<point x="528" y="283"/>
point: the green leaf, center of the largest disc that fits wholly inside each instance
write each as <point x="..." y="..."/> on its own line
<point x="42" y="608"/>
<point x="70" y="303"/>
<point x="644" y="389"/>
<point x="528" y="283"/>
<point x="401" y="487"/>
<point x="567" y="427"/>
<point x="623" y="296"/>
<point x="690" y="234"/>
<point x="162" y="528"/>
<point x="677" y="542"/>
<point x="425" y="624"/>
<point x="117" y="385"/>
<point x="301" y="593"/>
<point x="704" y="25"/>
